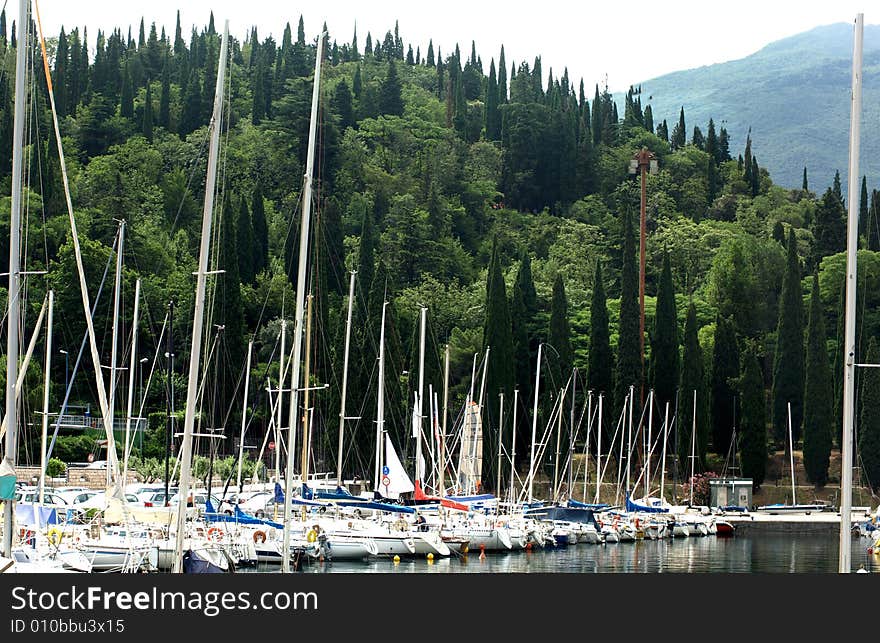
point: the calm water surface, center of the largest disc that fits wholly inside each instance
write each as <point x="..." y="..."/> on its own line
<point x="767" y="553"/>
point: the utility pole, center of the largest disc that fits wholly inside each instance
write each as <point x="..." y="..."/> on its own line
<point x="643" y="162"/>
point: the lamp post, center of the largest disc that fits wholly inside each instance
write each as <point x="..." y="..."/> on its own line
<point x="643" y="162"/>
<point x="66" y="370"/>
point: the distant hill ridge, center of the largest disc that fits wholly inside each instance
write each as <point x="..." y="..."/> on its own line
<point x="794" y="94"/>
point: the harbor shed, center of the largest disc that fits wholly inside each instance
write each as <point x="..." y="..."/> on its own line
<point x="730" y="492"/>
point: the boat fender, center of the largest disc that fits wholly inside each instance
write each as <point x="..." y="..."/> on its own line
<point x="260" y="535"/>
<point x="54" y="536"/>
<point x="215" y="531"/>
<point x="312" y="536"/>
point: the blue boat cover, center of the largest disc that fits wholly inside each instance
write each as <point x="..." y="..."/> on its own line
<point x="585" y="505"/>
<point x="634" y="506"/>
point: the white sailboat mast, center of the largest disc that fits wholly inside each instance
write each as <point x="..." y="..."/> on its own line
<point x="344" y="380"/>
<point x="199" y="310"/>
<point x="114" y="340"/>
<point x="46" y="381"/>
<point x="663" y="457"/>
<point x="13" y="314"/>
<point x="134" y="334"/>
<point x="534" y="425"/>
<point x="417" y="428"/>
<point x="380" y="402"/>
<point x="852" y="242"/>
<point x="440" y="488"/>
<point x="300" y="297"/>
<point x="244" y="406"/>
<point x="599" y="447"/>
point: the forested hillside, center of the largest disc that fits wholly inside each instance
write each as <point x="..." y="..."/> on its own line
<point x="495" y="193"/>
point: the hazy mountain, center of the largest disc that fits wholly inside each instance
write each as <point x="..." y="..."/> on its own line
<point x="794" y="94"/>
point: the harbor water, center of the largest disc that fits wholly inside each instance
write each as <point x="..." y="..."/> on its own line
<point x="778" y="553"/>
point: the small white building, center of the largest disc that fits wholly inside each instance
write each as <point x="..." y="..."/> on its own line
<point x="730" y="492"/>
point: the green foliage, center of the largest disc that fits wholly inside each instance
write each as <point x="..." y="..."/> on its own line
<point x="629" y="362"/>
<point x="692" y="397"/>
<point x="869" y="424"/>
<point x="753" y="426"/>
<point x="788" y="365"/>
<point x="55" y="468"/>
<point x="818" y="394"/>
<point x="724" y="393"/>
<point x="664" y="344"/>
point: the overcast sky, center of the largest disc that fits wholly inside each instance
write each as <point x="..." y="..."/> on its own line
<point x="625" y="42"/>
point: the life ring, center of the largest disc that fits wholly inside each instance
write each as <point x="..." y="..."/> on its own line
<point x="54" y="535"/>
<point x="260" y="535"/>
<point x="215" y="531"/>
<point x="312" y="536"/>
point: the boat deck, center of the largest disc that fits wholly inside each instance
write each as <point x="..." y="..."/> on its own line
<point x="791" y="521"/>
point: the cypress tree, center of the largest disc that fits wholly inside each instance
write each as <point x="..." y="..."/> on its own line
<point x="560" y="332"/>
<point x="679" y="132"/>
<point x="869" y="426"/>
<point x="126" y="101"/>
<point x="753" y="425"/>
<point x="165" y="98"/>
<point x="629" y="364"/>
<point x="190" y="116"/>
<point x="778" y="234"/>
<point x="492" y="115"/>
<point x="600" y="376"/>
<point x="692" y="379"/>
<point x="829" y="226"/>
<point x="148" y="114"/>
<point x="664" y="348"/>
<point x="60" y="76"/>
<point x="818" y="394"/>
<point x="836" y="189"/>
<point x="863" y="206"/>
<point x="873" y="225"/>
<point x="342" y="105"/>
<point x="500" y="377"/>
<point x="523" y="308"/>
<point x="390" y="100"/>
<point x="723" y="145"/>
<point x="805" y="186"/>
<point x="230" y="309"/>
<point x="649" y="119"/>
<point x="502" y="79"/>
<point x="356" y="83"/>
<point x="788" y="365"/>
<point x="725" y="371"/>
<point x="244" y="231"/>
<point x="261" y="231"/>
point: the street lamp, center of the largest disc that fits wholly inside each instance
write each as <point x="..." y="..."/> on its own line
<point x="643" y="162"/>
<point x="66" y="370"/>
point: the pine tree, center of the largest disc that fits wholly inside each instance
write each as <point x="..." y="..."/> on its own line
<point x="664" y="348"/>
<point x="697" y="138"/>
<point x="753" y="425"/>
<point x="723" y="145"/>
<point x="869" y="425"/>
<point x="390" y="100"/>
<point x="343" y="106"/>
<point x="788" y="365"/>
<point x="836" y="189"/>
<point x="649" y="119"/>
<point x="500" y="377"/>
<point x="148" y="115"/>
<point x="725" y="371"/>
<point x="818" y="394"/>
<point x="629" y="364"/>
<point x="692" y="380"/>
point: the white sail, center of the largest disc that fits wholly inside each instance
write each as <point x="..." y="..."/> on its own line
<point x="470" y="459"/>
<point x="397" y="478"/>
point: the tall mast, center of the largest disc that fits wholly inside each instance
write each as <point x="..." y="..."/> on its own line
<point x="281" y="375"/>
<point x="244" y="405"/>
<point x="629" y="436"/>
<point x="852" y="243"/>
<point x="599" y="447"/>
<point x="13" y="314"/>
<point x="791" y="455"/>
<point x="648" y="447"/>
<point x="199" y="311"/>
<point x="169" y="398"/>
<point x="513" y="449"/>
<point x="417" y="428"/>
<point x="663" y="457"/>
<point x="46" y="382"/>
<point x="304" y="463"/>
<point x="114" y="340"/>
<point x="587" y="443"/>
<point x="344" y="380"/>
<point x="693" y="449"/>
<point x="440" y="488"/>
<point x="571" y="433"/>
<point x="134" y="334"/>
<point x="500" y="433"/>
<point x="534" y="424"/>
<point x="300" y="297"/>
<point x="380" y="401"/>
